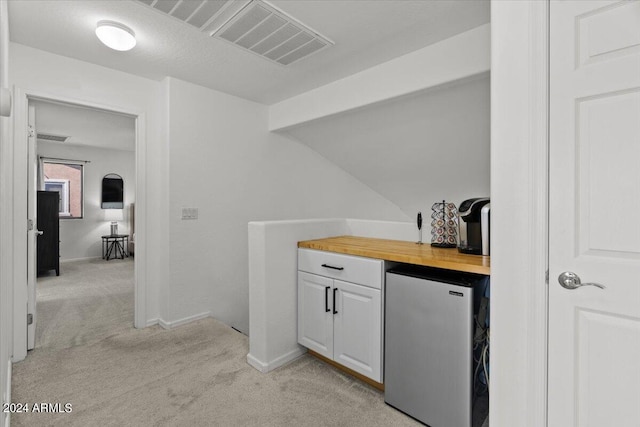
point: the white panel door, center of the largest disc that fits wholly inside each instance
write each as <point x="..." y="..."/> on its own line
<point x="315" y="318"/>
<point x="357" y="329"/>
<point x="594" y="333"/>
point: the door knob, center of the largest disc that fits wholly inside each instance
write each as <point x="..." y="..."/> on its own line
<point x="570" y="280"/>
<point x="39" y="233"/>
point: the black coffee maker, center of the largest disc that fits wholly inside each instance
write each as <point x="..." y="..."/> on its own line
<point x="473" y="226"/>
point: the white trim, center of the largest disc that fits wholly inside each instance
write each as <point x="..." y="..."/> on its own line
<point x="519" y="193"/>
<point x="140" y="260"/>
<point x="9" y="370"/>
<point x="265" y="367"/>
<point x="18" y="186"/>
<point x="539" y="204"/>
<point x="64" y="261"/>
<point x="7" y="417"/>
<point x="175" y="323"/>
<point x="7" y="227"/>
<point x="152" y="322"/>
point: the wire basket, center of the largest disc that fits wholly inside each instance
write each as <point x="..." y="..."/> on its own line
<point x="444" y="225"/>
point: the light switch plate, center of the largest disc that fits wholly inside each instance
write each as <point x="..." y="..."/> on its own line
<point x="189" y="213"/>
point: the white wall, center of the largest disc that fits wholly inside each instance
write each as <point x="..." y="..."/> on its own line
<point x="6" y="227"/>
<point x="519" y="152"/>
<point x="80" y="238"/>
<point x="216" y="155"/>
<point x="273" y="260"/>
<point x="36" y="71"/>
<point x="273" y="265"/>
<point x="415" y="150"/>
<point x="224" y="161"/>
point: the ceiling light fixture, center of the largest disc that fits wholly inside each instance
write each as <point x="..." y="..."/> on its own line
<point x="115" y="35"/>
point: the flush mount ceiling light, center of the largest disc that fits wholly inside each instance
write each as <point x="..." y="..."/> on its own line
<point x="115" y="35"/>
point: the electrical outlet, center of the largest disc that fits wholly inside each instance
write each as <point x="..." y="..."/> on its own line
<point x="189" y="213"/>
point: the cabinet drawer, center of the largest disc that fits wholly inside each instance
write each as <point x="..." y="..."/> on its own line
<point x="363" y="271"/>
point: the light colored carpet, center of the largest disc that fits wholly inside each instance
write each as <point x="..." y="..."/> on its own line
<point x="194" y="375"/>
<point x="89" y="301"/>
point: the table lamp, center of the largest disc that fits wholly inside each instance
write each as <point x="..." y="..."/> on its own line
<point x="113" y="215"/>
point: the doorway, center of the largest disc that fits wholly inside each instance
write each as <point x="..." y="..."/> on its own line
<point x="86" y="296"/>
<point x="24" y="296"/>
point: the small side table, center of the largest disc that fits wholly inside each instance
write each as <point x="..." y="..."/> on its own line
<point x="115" y="246"/>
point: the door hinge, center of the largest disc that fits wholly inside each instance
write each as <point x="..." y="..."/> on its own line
<point x="29" y="319"/>
<point x="32" y="131"/>
<point x="546" y="277"/>
<point x="29" y="224"/>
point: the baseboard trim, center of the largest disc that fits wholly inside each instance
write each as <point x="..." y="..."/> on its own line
<point x="277" y="362"/>
<point x="9" y="372"/>
<point x="62" y="261"/>
<point x="6" y="419"/>
<point x="183" y="321"/>
<point x="151" y="322"/>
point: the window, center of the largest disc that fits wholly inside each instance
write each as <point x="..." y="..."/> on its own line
<point x="62" y="187"/>
<point x="66" y="179"/>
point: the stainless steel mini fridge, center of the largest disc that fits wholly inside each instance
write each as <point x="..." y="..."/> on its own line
<point x="428" y="345"/>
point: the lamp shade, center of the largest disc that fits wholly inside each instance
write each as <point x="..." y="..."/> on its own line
<point x="116" y="35"/>
<point x="113" y="215"/>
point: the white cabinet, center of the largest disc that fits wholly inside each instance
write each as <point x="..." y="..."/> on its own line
<point x="338" y="319"/>
<point x="357" y="329"/>
<point x="315" y="317"/>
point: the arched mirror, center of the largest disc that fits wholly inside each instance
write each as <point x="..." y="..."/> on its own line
<point x="112" y="192"/>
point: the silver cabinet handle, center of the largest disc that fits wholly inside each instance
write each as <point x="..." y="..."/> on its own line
<point x="570" y="280"/>
<point x="39" y="233"/>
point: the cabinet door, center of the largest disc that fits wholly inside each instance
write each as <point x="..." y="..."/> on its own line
<point x="357" y="329"/>
<point x="315" y="318"/>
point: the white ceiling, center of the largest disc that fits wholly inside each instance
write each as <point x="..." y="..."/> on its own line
<point x="366" y="33"/>
<point x="85" y="126"/>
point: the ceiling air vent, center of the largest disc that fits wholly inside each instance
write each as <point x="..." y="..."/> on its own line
<point x="253" y="25"/>
<point x="270" y="33"/>
<point x="205" y="15"/>
<point x="49" y="137"/>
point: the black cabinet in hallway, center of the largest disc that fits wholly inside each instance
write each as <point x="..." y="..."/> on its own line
<point x="49" y="224"/>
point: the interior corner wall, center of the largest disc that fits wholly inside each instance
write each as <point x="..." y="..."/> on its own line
<point x="225" y="163"/>
<point x="34" y="70"/>
<point x="162" y="180"/>
<point x="80" y="237"/>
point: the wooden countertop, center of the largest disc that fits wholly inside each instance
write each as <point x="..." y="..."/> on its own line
<point x="402" y="251"/>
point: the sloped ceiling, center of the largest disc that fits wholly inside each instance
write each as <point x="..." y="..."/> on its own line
<point x="416" y="150"/>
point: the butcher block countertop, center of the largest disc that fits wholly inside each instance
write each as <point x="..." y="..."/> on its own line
<point x="402" y="251"/>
